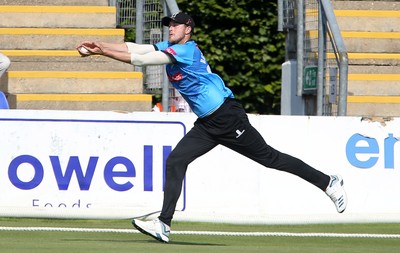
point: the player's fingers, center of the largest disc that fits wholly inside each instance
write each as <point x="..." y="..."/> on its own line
<point x="87" y="44"/>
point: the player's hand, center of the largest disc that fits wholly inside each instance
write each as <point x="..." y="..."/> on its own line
<point x="88" y="48"/>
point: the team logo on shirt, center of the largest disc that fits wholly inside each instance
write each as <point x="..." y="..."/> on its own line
<point x="176" y="77"/>
<point x="170" y="50"/>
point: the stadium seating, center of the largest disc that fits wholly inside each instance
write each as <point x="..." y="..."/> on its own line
<point x="39" y="36"/>
<point x="371" y="31"/>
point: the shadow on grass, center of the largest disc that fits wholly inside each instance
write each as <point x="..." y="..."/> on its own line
<point x="195" y="244"/>
<point x="145" y="241"/>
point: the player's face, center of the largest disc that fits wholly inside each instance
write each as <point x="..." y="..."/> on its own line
<point x="178" y="33"/>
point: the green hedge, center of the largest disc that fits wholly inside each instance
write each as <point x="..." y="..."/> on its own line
<point x="241" y="42"/>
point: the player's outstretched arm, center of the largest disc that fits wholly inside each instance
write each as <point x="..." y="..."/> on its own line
<point x="94" y="46"/>
<point x="135" y="54"/>
<point x="151" y="58"/>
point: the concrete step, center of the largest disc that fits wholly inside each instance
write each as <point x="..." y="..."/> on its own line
<point x="54" y="38"/>
<point x="368" y="20"/>
<point x="58" y="16"/>
<point x="373" y="84"/>
<point x="378" y="59"/>
<point x="92" y="102"/>
<point x="379" y="106"/>
<point x="373" y="91"/>
<point x="369" y="42"/>
<point x="366" y="5"/>
<point x="368" y="69"/>
<point x="56" y="2"/>
<point x="374" y="80"/>
<point x="84" y="82"/>
<point x="372" y="42"/>
<point x="61" y="60"/>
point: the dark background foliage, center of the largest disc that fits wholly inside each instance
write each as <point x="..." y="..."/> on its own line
<point x="240" y="40"/>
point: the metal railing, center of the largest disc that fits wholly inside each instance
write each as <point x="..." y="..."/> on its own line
<point x="312" y="36"/>
<point x="144" y="17"/>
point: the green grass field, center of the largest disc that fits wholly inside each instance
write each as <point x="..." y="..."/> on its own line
<point x="61" y="241"/>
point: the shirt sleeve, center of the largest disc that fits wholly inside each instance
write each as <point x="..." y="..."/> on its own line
<point x="163" y="46"/>
<point x="152" y="58"/>
<point x="139" y="48"/>
<point x="181" y="53"/>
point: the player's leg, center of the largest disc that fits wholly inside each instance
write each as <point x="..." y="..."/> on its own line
<point x="245" y="139"/>
<point x="253" y="146"/>
<point x="194" y="144"/>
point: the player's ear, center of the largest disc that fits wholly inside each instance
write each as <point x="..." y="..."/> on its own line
<point x="188" y="29"/>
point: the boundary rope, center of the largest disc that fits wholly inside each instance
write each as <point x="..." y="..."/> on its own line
<point x="218" y="233"/>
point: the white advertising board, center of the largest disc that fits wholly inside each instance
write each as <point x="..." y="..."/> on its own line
<point x="62" y="164"/>
<point x="76" y="164"/>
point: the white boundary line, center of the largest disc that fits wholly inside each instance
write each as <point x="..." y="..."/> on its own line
<point x="260" y="234"/>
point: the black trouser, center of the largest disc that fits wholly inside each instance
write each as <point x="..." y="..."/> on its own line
<point x="228" y="126"/>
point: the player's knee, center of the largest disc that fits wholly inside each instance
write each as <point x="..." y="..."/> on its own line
<point x="5" y="63"/>
<point x="172" y="160"/>
<point x="176" y="163"/>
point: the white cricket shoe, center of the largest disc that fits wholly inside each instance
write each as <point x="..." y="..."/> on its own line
<point x="336" y="192"/>
<point x="155" y="228"/>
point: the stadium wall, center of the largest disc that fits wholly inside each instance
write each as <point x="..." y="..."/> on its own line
<point x="81" y="164"/>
